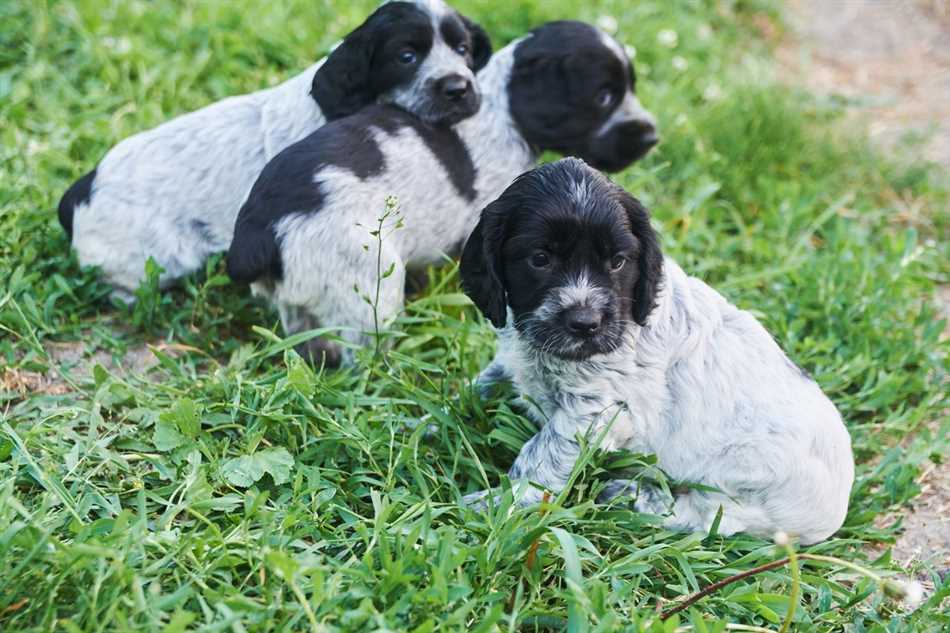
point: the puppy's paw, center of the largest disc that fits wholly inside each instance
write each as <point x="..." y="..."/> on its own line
<point x="479" y="501"/>
<point x="617" y="488"/>
<point x="648" y="499"/>
<point x="319" y="352"/>
<point x="653" y="500"/>
<point x="123" y="297"/>
<point x="523" y="492"/>
<point x="490" y="377"/>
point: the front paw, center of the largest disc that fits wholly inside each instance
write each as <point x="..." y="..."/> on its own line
<point x="490" y="377"/>
<point x="523" y="495"/>
<point x="648" y="499"/>
<point x="653" y="500"/>
<point x="479" y="501"/>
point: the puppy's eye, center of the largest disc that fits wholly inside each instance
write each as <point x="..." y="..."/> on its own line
<point x="540" y="260"/>
<point x="617" y="262"/>
<point x="462" y="49"/>
<point x="605" y="98"/>
<point x="407" y="56"/>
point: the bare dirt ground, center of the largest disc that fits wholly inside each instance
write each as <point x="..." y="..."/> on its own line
<point x="889" y="61"/>
<point x="71" y="364"/>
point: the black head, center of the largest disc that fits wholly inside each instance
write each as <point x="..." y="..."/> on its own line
<point x="419" y="55"/>
<point x="572" y="91"/>
<point x="570" y="254"/>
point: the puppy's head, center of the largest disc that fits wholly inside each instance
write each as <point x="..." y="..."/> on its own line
<point x="572" y="256"/>
<point x="420" y="55"/>
<point x="572" y="91"/>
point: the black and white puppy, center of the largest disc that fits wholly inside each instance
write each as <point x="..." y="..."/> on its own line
<point x="608" y="339"/>
<point x="303" y="236"/>
<point x="173" y="193"/>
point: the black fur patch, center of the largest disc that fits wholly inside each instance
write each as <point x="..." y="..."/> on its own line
<point x="286" y="185"/>
<point x="481" y="43"/>
<point x="78" y="193"/>
<point x="457" y="29"/>
<point x="203" y="229"/>
<point x="559" y="75"/>
<point x="367" y="63"/>
<point x="452" y="154"/>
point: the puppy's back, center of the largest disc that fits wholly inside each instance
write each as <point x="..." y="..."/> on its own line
<point x="290" y="184"/>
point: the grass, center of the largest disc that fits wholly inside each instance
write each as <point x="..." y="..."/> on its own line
<point x="229" y="487"/>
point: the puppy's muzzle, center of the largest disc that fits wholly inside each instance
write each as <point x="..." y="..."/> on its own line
<point x="643" y="133"/>
<point x="454" y="98"/>
<point x="628" y="135"/>
<point x="453" y="87"/>
<point x="582" y="321"/>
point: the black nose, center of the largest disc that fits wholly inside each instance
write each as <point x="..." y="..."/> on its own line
<point x="645" y="133"/>
<point x="453" y="87"/>
<point x="583" y="321"/>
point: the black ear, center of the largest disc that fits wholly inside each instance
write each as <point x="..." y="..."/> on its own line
<point x="253" y="254"/>
<point x="649" y="261"/>
<point x="481" y="43"/>
<point x="341" y="86"/>
<point x="481" y="266"/>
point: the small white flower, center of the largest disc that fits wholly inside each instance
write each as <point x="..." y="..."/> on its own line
<point x="120" y="45"/>
<point x="913" y="593"/>
<point x="630" y="51"/>
<point x="713" y="92"/>
<point x="608" y="23"/>
<point x="704" y="32"/>
<point x="667" y="38"/>
<point x="34" y="147"/>
<point x="680" y="63"/>
<point x="781" y="538"/>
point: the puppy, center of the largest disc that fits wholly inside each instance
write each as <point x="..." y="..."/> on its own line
<point x="303" y="236"/>
<point x="173" y="193"/>
<point x="611" y="341"/>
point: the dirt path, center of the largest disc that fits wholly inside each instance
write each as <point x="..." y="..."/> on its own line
<point x="889" y="60"/>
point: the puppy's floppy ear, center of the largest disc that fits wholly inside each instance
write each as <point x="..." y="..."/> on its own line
<point x="649" y="260"/>
<point x="341" y="86"/>
<point x="481" y="43"/>
<point x="481" y="265"/>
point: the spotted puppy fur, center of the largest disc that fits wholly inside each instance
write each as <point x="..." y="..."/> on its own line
<point x="303" y="238"/>
<point x="173" y="193"/>
<point x="604" y="338"/>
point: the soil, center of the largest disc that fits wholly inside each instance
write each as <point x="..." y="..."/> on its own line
<point x="889" y="62"/>
<point x="72" y="365"/>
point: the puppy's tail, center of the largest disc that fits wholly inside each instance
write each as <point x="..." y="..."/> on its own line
<point x="253" y="254"/>
<point x="79" y="193"/>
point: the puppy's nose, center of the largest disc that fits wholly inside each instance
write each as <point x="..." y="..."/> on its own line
<point x="453" y="87"/>
<point x="646" y="133"/>
<point x="583" y="321"/>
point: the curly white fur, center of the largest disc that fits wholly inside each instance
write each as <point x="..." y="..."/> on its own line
<point x="704" y="387"/>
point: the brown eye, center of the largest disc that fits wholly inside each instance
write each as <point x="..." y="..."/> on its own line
<point x="540" y="260"/>
<point x="617" y="262"/>
<point x="605" y="98"/>
<point x="462" y="49"/>
<point x="407" y="56"/>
